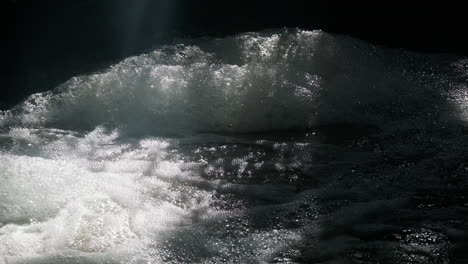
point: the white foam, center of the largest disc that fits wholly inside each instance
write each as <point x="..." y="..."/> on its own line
<point x="86" y="194"/>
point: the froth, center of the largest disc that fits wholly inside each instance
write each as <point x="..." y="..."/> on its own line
<point x="85" y="194"/>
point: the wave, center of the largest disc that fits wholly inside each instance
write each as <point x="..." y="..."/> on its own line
<point x="252" y="82"/>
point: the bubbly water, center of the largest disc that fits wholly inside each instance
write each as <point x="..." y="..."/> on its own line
<point x="285" y="146"/>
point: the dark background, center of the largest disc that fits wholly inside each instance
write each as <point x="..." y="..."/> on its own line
<point x="45" y="42"/>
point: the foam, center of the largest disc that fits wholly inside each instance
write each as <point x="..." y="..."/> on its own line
<point x="82" y="194"/>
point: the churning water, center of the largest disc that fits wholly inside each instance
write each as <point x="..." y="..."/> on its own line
<point x="285" y="146"/>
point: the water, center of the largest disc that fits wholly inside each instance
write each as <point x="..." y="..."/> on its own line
<point x="285" y="146"/>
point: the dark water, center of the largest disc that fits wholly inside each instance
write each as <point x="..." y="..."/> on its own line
<point x="285" y="146"/>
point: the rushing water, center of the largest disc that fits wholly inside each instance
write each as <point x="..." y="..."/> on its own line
<point x="285" y="146"/>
